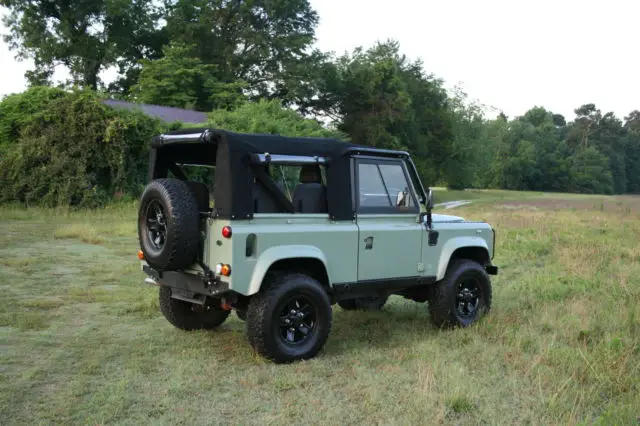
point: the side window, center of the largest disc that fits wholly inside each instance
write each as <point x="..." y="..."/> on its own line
<point x="397" y="185"/>
<point x="287" y="177"/>
<point x="371" y="187"/>
<point x="383" y="187"/>
<point x="302" y="185"/>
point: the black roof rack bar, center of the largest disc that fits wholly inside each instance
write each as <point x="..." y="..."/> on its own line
<point x="267" y="158"/>
<point x="197" y="137"/>
<point x="378" y="151"/>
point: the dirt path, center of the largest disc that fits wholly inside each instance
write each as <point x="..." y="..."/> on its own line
<point x="452" y="204"/>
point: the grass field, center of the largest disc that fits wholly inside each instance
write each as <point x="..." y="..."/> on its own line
<point x="82" y="340"/>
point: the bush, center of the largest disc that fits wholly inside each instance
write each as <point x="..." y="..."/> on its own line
<point x="74" y="150"/>
<point x="17" y="109"/>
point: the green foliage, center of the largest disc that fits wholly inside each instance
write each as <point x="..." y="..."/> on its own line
<point x="590" y="173"/>
<point x="17" y="109"/>
<point x="86" y="36"/>
<point x="632" y="156"/>
<point x="540" y="151"/>
<point x="469" y="133"/>
<point x="270" y="117"/>
<point x="257" y="42"/>
<point x="381" y="99"/>
<point x="180" y="79"/>
<point x="77" y="151"/>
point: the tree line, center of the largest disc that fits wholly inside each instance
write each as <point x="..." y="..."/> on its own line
<point x="233" y="57"/>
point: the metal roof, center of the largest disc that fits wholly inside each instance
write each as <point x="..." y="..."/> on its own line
<point x="164" y="113"/>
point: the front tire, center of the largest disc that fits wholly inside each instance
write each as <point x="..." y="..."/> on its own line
<point x="189" y="316"/>
<point x="463" y="297"/>
<point x="290" y="319"/>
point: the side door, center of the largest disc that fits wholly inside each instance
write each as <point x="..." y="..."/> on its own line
<point x="390" y="238"/>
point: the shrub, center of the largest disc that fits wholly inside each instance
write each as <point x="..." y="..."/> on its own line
<point x="74" y="150"/>
<point x="17" y="109"/>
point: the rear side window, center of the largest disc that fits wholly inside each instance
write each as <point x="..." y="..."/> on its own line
<point x="383" y="187"/>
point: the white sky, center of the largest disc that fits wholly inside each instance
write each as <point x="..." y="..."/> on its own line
<point x="508" y="54"/>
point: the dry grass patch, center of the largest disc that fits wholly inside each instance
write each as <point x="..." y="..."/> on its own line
<point x="84" y="232"/>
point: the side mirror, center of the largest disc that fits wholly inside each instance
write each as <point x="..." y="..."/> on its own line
<point x="429" y="199"/>
<point x="401" y="199"/>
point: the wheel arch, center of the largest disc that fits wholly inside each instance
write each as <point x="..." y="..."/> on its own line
<point x="306" y="259"/>
<point x="472" y="248"/>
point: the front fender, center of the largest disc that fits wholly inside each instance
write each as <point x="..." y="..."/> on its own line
<point x="274" y="254"/>
<point x="454" y="244"/>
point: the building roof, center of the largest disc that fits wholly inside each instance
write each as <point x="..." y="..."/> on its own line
<point x="164" y="113"/>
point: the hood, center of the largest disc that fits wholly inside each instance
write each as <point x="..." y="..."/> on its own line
<point x="435" y="217"/>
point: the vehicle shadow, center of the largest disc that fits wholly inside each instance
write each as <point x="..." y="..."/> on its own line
<point x="400" y="323"/>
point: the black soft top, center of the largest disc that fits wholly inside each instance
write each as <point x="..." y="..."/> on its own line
<point x="233" y="154"/>
<point x="271" y="143"/>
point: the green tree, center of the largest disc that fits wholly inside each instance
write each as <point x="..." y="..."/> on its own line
<point x="632" y="154"/>
<point x="381" y="99"/>
<point x="582" y="128"/>
<point x="256" y="41"/>
<point x="469" y="138"/>
<point x="590" y="173"/>
<point x="180" y="79"/>
<point x="86" y="36"/>
<point x="605" y="132"/>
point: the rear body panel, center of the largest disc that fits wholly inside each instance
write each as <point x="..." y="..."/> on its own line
<point x="258" y="243"/>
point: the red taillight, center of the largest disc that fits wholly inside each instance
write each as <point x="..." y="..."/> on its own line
<point x="226" y="231"/>
<point x="140" y="255"/>
<point x="223" y="269"/>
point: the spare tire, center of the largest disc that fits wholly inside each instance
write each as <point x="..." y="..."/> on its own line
<point x="168" y="225"/>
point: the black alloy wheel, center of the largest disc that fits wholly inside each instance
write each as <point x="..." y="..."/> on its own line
<point x="297" y="320"/>
<point x="156" y="225"/>
<point x="468" y="298"/>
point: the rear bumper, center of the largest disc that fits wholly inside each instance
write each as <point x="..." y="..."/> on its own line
<point x="189" y="282"/>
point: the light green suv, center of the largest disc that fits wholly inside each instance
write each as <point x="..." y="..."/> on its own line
<point x="281" y="229"/>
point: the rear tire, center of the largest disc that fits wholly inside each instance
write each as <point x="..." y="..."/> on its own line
<point x="189" y="316"/>
<point x="290" y="318"/>
<point x="463" y="297"/>
<point x="363" y="303"/>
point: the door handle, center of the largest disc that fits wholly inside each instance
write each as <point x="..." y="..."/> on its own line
<point x="368" y="243"/>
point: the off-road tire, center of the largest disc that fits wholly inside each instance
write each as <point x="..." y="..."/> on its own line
<point x="363" y="303"/>
<point x="181" y="222"/>
<point x="188" y="316"/>
<point x="241" y="314"/>
<point x="264" y="321"/>
<point x="445" y="298"/>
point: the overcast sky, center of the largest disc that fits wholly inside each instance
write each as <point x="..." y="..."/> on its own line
<point x="506" y="53"/>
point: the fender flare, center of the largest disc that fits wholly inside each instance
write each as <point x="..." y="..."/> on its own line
<point x="454" y="244"/>
<point x="274" y="254"/>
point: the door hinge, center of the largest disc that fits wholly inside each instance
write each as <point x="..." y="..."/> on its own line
<point x="420" y="267"/>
